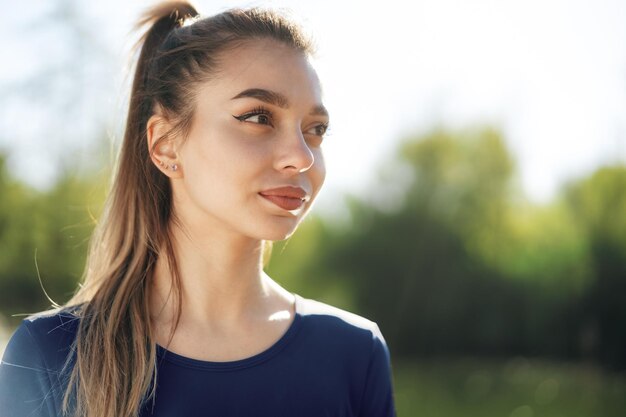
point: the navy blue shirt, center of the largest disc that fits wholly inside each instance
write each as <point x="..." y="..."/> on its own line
<point x="328" y="363"/>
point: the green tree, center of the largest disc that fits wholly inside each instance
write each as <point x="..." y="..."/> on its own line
<point x="43" y="235"/>
<point x="598" y="204"/>
<point x="462" y="262"/>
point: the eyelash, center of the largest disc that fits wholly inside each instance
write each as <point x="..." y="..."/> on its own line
<point x="324" y="127"/>
<point x="262" y="111"/>
<point x="259" y="111"/>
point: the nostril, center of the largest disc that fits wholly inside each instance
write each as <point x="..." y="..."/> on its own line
<point x="301" y="160"/>
<point x="293" y="153"/>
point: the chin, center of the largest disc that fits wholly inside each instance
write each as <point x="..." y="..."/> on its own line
<point x="276" y="232"/>
<point x="278" y="235"/>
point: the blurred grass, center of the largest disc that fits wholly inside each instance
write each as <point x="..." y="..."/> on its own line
<point x="450" y="387"/>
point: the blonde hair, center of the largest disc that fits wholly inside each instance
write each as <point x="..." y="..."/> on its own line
<point x="113" y="372"/>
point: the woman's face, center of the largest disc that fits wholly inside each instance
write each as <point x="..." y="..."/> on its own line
<point x="252" y="163"/>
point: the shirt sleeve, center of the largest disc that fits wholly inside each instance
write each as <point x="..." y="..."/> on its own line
<point x="25" y="387"/>
<point x="378" y="398"/>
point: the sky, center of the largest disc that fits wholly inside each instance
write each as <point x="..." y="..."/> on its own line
<point x="550" y="74"/>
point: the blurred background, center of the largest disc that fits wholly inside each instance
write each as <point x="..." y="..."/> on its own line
<point x="475" y="204"/>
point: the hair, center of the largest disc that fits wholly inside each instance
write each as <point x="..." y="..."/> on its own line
<point x="113" y="367"/>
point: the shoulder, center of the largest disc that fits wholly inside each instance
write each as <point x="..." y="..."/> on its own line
<point x="47" y="335"/>
<point x="308" y="307"/>
<point x="338" y="324"/>
<point x="353" y="346"/>
<point x="32" y="368"/>
<point x="62" y="319"/>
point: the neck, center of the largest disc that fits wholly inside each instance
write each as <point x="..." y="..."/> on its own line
<point x="221" y="277"/>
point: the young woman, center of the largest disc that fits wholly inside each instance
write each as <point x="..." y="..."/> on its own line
<point x="222" y="152"/>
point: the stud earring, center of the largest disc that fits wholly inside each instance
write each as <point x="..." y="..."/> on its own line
<point x="174" y="167"/>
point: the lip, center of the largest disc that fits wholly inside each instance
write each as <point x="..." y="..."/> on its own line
<point x="288" y="198"/>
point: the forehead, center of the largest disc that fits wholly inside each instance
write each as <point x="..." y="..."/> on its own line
<point x="270" y="65"/>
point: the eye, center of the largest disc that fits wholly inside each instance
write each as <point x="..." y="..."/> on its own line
<point x="262" y="119"/>
<point x="259" y="116"/>
<point x="318" y="130"/>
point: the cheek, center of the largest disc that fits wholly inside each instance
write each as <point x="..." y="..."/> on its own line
<point x="319" y="170"/>
<point x="219" y="161"/>
<point x="205" y="170"/>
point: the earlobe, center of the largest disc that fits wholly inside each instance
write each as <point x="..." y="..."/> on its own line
<point x="162" y="147"/>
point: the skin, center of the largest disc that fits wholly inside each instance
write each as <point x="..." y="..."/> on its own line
<point x="231" y="309"/>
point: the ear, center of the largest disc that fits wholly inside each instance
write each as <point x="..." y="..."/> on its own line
<point x="163" y="149"/>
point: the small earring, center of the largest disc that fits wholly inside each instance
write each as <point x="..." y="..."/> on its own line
<point x="174" y="167"/>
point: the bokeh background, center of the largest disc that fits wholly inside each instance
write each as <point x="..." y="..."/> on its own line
<point x="475" y="205"/>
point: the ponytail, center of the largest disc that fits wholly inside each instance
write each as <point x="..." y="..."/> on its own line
<point x="161" y="19"/>
<point x="114" y="371"/>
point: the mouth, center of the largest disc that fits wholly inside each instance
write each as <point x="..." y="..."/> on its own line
<point x="287" y="198"/>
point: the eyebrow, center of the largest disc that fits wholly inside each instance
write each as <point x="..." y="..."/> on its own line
<point x="270" y="97"/>
<point x="276" y="99"/>
<point x="319" y="111"/>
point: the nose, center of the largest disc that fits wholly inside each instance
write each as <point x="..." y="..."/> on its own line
<point x="293" y="153"/>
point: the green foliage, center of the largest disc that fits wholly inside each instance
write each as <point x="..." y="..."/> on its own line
<point x="423" y="272"/>
<point x="43" y="234"/>
<point x="598" y="204"/>
<point x="465" y="173"/>
<point x="545" y="246"/>
<point x="15" y="235"/>
<point x="299" y="264"/>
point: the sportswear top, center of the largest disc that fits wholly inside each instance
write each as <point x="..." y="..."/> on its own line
<point x="328" y="363"/>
